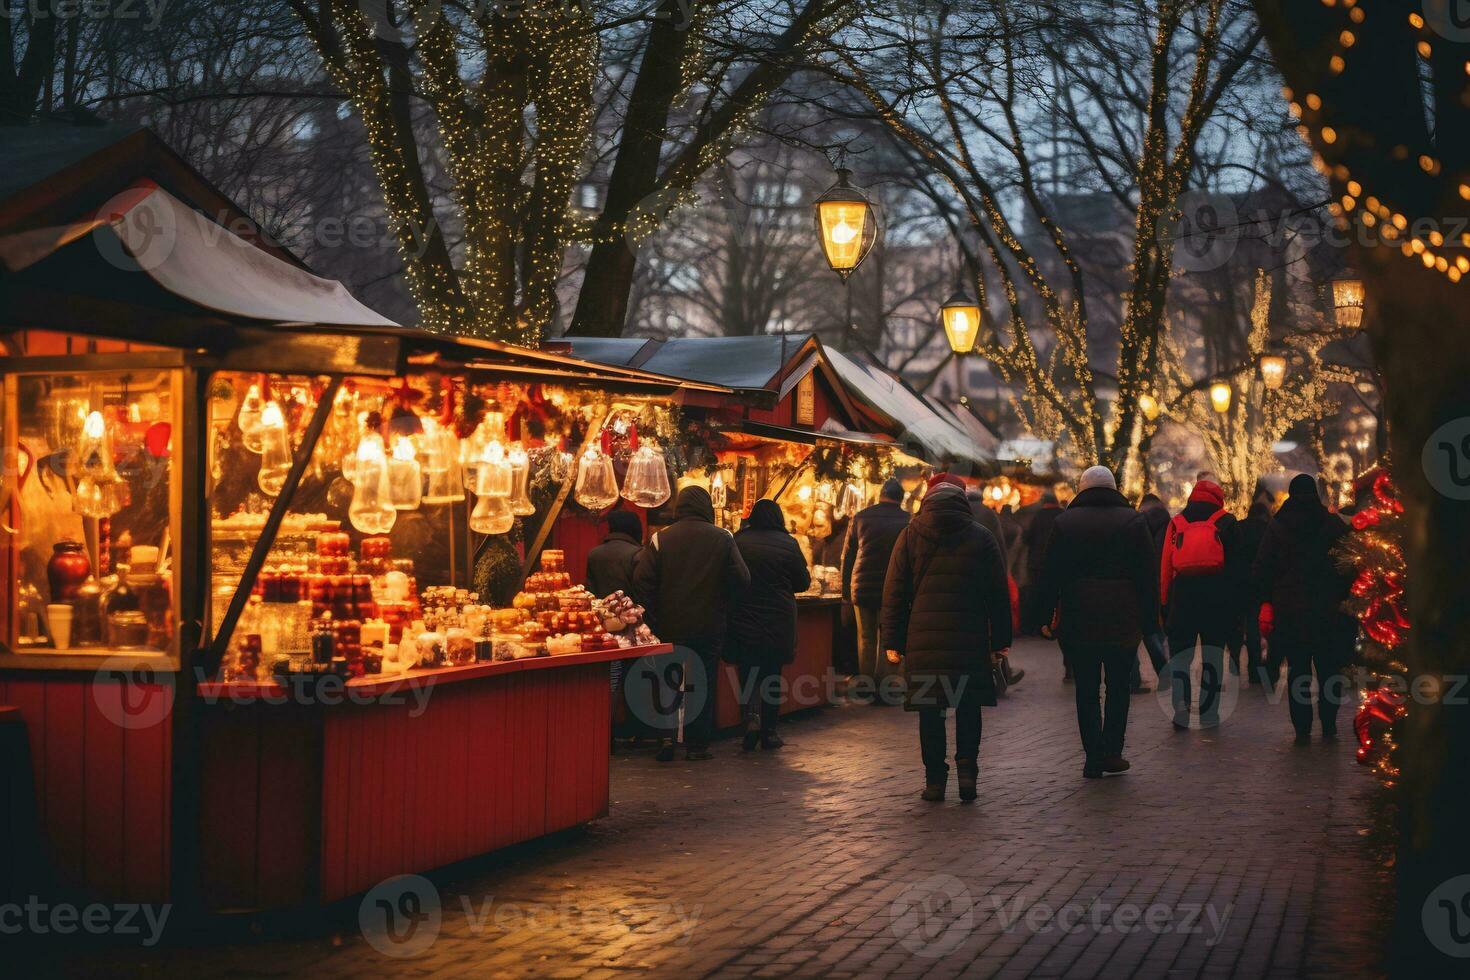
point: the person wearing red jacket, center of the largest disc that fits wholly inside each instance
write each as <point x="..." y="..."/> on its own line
<point x="1199" y="598"/>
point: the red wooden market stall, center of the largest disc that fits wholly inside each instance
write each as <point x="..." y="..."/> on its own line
<point x="800" y="431"/>
<point x="269" y="618"/>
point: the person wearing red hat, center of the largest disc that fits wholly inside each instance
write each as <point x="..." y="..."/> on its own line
<point x="1197" y="586"/>
<point x="940" y="479"/>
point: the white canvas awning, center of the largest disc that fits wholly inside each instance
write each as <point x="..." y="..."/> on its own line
<point x="149" y="231"/>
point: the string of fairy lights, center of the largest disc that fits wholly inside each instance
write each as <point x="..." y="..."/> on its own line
<point x="1358" y="203"/>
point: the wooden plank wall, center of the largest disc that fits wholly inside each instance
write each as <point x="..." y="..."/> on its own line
<point x="342" y="797"/>
<point x="101" y="757"/>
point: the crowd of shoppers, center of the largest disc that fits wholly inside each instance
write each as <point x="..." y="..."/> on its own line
<point x="936" y="604"/>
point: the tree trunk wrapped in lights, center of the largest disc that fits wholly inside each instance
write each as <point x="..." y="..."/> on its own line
<point x="961" y="113"/>
<point x="1379" y="90"/>
<point x="1239" y="440"/>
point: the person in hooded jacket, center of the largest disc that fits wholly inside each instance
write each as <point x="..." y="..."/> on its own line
<point x="946" y="613"/>
<point x="865" y="555"/>
<point x="990" y="520"/>
<point x="1252" y="533"/>
<point x="610" y="564"/>
<point x="1156" y="516"/>
<point x="1099" y="578"/>
<point x="1303" y="590"/>
<point x="1199" y="608"/>
<point x="687" y="578"/>
<point x="762" y="637"/>
<point x="1034" y="542"/>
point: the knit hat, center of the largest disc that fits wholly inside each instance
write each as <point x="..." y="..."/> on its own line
<point x="892" y="490"/>
<point x="625" y="522"/>
<point x="948" y="478"/>
<point x="1207" y="491"/>
<point x="1097" y="476"/>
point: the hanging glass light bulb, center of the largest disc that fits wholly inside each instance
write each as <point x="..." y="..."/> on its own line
<point x="493" y="477"/>
<point x="371" y="510"/>
<point x="646" y="483"/>
<point x="252" y="407"/>
<point x="94" y="449"/>
<point x="597" y="484"/>
<point x="275" y="450"/>
<point x="405" y="477"/>
<point x="492" y="514"/>
<point x="520" y="481"/>
<point x="717" y="492"/>
<point x="472" y="450"/>
<point x="439" y="459"/>
<point x="100" y="492"/>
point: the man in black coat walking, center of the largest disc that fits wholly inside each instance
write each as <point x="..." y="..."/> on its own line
<point x="763" y="623"/>
<point x="687" y="578"/>
<point x="1099" y="577"/>
<point x="610" y="564"/>
<point x="946" y="612"/>
<point x="870" y="537"/>
<point x="1035" y="540"/>
<point x="1299" y="579"/>
<point x="1156" y="515"/>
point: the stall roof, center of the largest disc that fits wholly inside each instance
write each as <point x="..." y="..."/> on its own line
<point x="53" y="174"/>
<point x="139" y="263"/>
<point x="750" y="363"/>
<point x="148" y="230"/>
<point x="923" y="428"/>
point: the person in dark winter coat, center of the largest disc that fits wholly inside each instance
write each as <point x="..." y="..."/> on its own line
<point x="1100" y="579"/>
<point x="946" y="612"/>
<point x="1199" y="607"/>
<point x="1034" y="541"/>
<point x="687" y="578"/>
<point x="1156" y="516"/>
<point x="1303" y="590"/>
<point x="762" y="636"/>
<point x="865" y="555"/>
<point x="610" y="564"/>
<point x="990" y="520"/>
<point x="1252" y="532"/>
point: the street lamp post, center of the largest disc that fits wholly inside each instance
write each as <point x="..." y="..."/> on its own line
<point x="960" y="317"/>
<point x="847" y="225"/>
<point x="1273" y="370"/>
<point x="1220" y="394"/>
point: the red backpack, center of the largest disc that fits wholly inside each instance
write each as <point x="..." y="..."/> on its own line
<point x="1198" y="548"/>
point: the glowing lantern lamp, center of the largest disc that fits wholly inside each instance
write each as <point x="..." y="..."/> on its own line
<point x="1149" y="405"/>
<point x="1220" y="397"/>
<point x="1273" y="370"/>
<point x="1347" y="301"/>
<point x="960" y="315"/>
<point x="847" y="225"/>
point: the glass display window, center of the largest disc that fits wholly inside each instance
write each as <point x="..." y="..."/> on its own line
<point x="92" y="511"/>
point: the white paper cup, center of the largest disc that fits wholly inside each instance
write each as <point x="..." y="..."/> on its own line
<point x="58" y="616"/>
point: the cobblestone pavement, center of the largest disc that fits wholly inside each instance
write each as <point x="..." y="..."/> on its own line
<point x="1223" y="853"/>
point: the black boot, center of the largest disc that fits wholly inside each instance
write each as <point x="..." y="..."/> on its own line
<point x="1013" y="675"/>
<point x="969" y="773"/>
<point x="770" y="740"/>
<point x="933" y="793"/>
<point x="752" y="733"/>
<point x="665" y="751"/>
